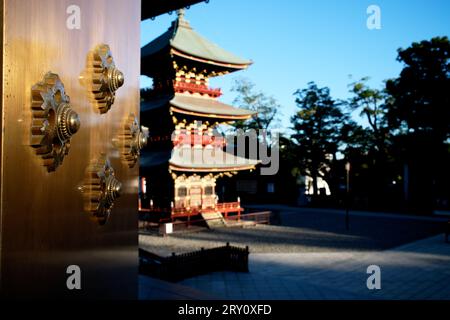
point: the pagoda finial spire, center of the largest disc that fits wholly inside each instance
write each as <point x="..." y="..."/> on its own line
<point x="180" y="13"/>
<point x="181" y="21"/>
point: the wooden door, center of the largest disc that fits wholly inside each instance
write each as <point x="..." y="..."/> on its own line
<point x="45" y="227"/>
<point x="195" y="193"/>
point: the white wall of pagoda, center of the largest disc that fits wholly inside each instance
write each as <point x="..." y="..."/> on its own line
<point x="193" y="192"/>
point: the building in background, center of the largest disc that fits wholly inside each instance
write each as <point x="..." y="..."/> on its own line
<point x="186" y="155"/>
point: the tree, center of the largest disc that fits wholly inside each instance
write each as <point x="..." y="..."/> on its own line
<point x="420" y="103"/>
<point x="357" y="139"/>
<point x="372" y="105"/>
<point x="368" y="149"/>
<point x="420" y="113"/>
<point x="317" y="127"/>
<point x="266" y="107"/>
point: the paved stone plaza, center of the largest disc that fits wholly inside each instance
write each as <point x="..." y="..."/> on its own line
<point x="306" y="230"/>
<point x="418" y="269"/>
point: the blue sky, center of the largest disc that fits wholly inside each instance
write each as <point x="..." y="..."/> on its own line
<point x="293" y="42"/>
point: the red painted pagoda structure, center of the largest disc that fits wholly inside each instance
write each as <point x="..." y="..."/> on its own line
<point x="186" y="156"/>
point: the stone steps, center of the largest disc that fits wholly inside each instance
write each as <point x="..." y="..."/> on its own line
<point x="214" y="220"/>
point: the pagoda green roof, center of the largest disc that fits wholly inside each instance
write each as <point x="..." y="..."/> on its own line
<point x="198" y="106"/>
<point x="187" y="43"/>
<point x="207" y="107"/>
<point x="190" y="159"/>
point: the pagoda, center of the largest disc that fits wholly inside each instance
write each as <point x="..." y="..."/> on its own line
<point x="182" y="112"/>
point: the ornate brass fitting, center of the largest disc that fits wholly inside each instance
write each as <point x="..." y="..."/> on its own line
<point x="53" y="121"/>
<point x="132" y="139"/>
<point x="101" y="189"/>
<point x="106" y="79"/>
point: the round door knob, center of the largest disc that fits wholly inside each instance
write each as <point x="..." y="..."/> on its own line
<point x="68" y="122"/>
<point x="115" y="79"/>
<point x="143" y="137"/>
<point x="113" y="189"/>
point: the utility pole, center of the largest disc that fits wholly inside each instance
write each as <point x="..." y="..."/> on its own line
<point x="347" y="197"/>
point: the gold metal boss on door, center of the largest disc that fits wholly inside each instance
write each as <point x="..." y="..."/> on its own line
<point x="131" y="139"/>
<point x="53" y="121"/>
<point x="101" y="188"/>
<point x="105" y="78"/>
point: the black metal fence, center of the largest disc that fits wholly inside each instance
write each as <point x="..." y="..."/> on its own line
<point x="186" y="265"/>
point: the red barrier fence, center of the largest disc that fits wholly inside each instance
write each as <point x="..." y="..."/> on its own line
<point x="233" y="220"/>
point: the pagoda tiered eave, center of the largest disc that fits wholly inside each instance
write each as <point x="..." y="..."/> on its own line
<point x="208" y="160"/>
<point x="225" y="65"/>
<point x="207" y="107"/>
<point x="198" y="106"/>
<point x="180" y="40"/>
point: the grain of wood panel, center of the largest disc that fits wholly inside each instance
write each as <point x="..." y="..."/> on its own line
<point x="44" y="226"/>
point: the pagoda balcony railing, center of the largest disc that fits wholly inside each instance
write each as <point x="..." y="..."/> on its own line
<point x="228" y="206"/>
<point x="254" y="218"/>
<point x="199" y="139"/>
<point x="196" y="88"/>
<point x="225" y="208"/>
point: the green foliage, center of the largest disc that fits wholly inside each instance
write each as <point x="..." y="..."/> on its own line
<point x="317" y="130"/>
<point x="372" y="105"/>
<point x="421" y="100"/>
<point x="419" y="113"/>
<point x="266" y="108"/>
<point x="401" y="157"/>
<point x="357" y="139"/>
